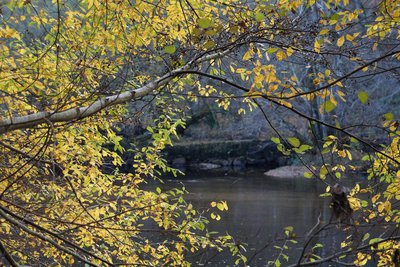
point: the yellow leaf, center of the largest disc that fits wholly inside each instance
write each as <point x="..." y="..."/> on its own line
<point x="388" y="206"/>
<point x="289" y="51"/>
<point x="280" y="55"/>
<point x="248" y="54"/>
<point x="349" y="155"/>
<point x="349" y="37"/>
<point x="316" y="81"/>
<point x="340" y="41"/>
<point x="327" y="72"/>
<point x="381" y="207"/>
<point x="354" y="203"/>
<point x="225" y="205"/>
<point x="324" y="31"/>
<point x="317" y="46"/>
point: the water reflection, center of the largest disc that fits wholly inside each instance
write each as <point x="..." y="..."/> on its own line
<point x="259" y="208"/>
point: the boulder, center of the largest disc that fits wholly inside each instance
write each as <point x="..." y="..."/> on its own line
<point x="208" y="166"/>
<point x="287" y="172"/>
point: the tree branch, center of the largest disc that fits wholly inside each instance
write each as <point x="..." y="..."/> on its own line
<point x="3" y="213"/>
<point x="34" y="158"/>
<point x="303" y="115"/>
<point x="341" y="253"/>
<point x="73" y="114"/>
<point x="7" y="255"/>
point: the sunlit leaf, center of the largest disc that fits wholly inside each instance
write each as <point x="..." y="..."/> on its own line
<point x="317" y="46"/>
<point x="272" y="50"/>
<point x="294" y="141"/>
<point x="259" y="16"/>
<point x="308" y="175"/>
<point x="328" y="106"/>
<point x="389" y="116"/>
<point x="340" y="41"/>
<point x="363" y="96"/>
<point x="170" y="49"/>
<point x="205" y="23"/>
<point x="276" y="140"/>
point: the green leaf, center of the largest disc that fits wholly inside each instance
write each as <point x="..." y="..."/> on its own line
<point x="308" y="175"/>
<point x="276" y="140"/>
<point x="363" y="96"/>
<point x="366" y="236"/>
<point x="366" y="158"/>
<point x="209" y="44"/>
<point x="204" y="23"/>
<point x="259" y="16"/>
<point x="375" y="240"/>
<point x="388" y="116"/>
<point x="335" y="16"/>
<point x="353" y="140"/>
<point x="323" y="172"/>
<point x="318" y="245"/>
<point x="364" y="203"/>
<point x="211" y="32"/>
<point x="280" y="147"/>
<point x="329" y="106"/>
<point x="272" y="50"/>
<point x="289" y="228"/>
<point x="150" y="129"/>
<point x="303" y="148"/>
<point x="170" y="49"/>
<point x="325" y="150"/>
<point x="294" y="141"/>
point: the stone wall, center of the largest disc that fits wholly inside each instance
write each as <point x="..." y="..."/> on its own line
<point x="225" y="154"/>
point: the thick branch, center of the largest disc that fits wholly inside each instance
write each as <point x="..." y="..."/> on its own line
<point x="73" y="114"/>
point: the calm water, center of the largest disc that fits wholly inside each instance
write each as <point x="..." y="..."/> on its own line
<point x="259" y="208"/>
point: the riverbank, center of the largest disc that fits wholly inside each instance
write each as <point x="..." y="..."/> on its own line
<point x="237" y="154"/>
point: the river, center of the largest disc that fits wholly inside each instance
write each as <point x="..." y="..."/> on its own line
<point x="259" y="208"/>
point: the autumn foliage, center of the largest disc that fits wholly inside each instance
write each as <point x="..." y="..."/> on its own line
<point x="69" y="69"/>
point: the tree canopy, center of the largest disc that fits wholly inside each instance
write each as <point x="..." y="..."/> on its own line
<point x="69" y="69"/>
